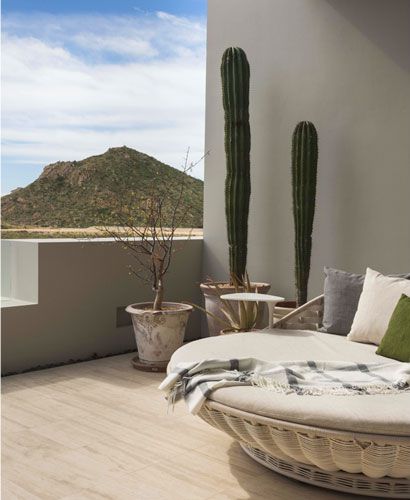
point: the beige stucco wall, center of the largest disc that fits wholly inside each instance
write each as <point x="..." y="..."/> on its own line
<point x="80" y="286"/>
<point x="343" y="64"/>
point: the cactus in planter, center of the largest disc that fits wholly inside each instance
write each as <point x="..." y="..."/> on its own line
<point x="235" y="89"/>
<point x="304" y="174"/>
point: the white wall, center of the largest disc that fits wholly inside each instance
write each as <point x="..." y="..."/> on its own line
<point x="343" y="64"/>
<point x="81" y="284"/>
<point x="19" y="272"/>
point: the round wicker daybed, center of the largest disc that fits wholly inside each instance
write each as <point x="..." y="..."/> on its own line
<point x="356" y="444"/>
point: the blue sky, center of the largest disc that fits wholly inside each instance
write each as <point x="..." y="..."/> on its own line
<point x="176" y="7"/>
<point x="82" y="76"/>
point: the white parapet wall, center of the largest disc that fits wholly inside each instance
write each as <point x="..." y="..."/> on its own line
<point x="19" y="273"/>
<point x="62" y="299"/>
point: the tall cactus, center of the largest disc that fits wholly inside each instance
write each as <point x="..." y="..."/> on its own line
<point x="235" y="89"/>
<point x="304" y="174"/>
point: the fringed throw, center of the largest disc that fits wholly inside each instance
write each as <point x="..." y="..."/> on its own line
<point x="196" y="381"/>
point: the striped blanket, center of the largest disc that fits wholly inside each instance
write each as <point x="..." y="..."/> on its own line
<point x="196" y="381"/>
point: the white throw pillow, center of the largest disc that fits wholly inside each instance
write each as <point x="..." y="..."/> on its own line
<point x="376" y="305"/>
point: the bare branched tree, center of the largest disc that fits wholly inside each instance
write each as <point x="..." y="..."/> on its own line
<point x="147" y="225"/>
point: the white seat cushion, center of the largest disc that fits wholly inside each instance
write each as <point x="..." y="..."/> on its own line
<point x="380" y="414"/>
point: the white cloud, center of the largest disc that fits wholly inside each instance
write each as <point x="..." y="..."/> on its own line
<point x="75" y="86"/>
<point x="116" y="44"/>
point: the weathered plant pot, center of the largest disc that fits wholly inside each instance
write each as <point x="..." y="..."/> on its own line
<point x="158" y="333"/>
<point x="283" y="308"/>
<point x="213" y="303"/>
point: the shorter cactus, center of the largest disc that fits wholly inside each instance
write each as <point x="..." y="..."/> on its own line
<point x="304" y="175"/>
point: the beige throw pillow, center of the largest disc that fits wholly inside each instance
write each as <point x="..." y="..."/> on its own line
<point x="377" y="301"/>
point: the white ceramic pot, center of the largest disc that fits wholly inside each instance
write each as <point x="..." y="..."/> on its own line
<point x="158" y="333"/>
<point x="213" y="304"/>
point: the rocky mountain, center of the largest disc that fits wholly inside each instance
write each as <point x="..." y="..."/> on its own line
<point x="85" y="193"/>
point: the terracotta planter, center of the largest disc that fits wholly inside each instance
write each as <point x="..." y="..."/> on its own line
<point x="283" y="308"/>
<point x="158" y="333"/>
<point x="213" y="304"/>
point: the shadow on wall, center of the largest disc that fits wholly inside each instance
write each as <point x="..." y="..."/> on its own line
<point x="385" y="23"/>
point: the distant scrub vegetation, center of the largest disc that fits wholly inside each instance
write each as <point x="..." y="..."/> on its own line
<point x="93" y="191"/>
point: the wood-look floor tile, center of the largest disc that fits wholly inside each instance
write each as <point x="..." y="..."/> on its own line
<point x="171" y="483"/>
<point x="10" y="490"/>
<point x="101" y="430"/>
<point x="30" y="445"/>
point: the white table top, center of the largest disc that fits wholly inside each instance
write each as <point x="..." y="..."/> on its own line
<point x="252" y="297"/>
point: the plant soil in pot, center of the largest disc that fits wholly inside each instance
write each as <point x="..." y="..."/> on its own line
<point x="212" y="291"/>
<point x="158" y="334"/>
<point x="228" y="331"/>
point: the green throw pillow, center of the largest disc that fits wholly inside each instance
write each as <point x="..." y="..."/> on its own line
<point x="396" y="342"/>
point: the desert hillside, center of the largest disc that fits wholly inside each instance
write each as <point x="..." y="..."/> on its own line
<point x="86" y="193"/>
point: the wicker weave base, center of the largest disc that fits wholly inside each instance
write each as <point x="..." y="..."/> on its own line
<point x="358" y="484"/>
<point x="372" y="455"/>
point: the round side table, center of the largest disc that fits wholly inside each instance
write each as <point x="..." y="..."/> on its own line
<point x="271" y="300"/>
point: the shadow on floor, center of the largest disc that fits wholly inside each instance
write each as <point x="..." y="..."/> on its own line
<point x="115" y="371"/>
<point x="269" y="485"/>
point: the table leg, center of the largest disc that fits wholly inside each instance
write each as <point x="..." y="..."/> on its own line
<point x="271" y="309"/>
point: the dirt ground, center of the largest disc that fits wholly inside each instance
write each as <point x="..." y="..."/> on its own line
<point x="78" y="232"/>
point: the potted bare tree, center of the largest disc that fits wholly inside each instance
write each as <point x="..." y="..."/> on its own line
<point x="146" y="229"/>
